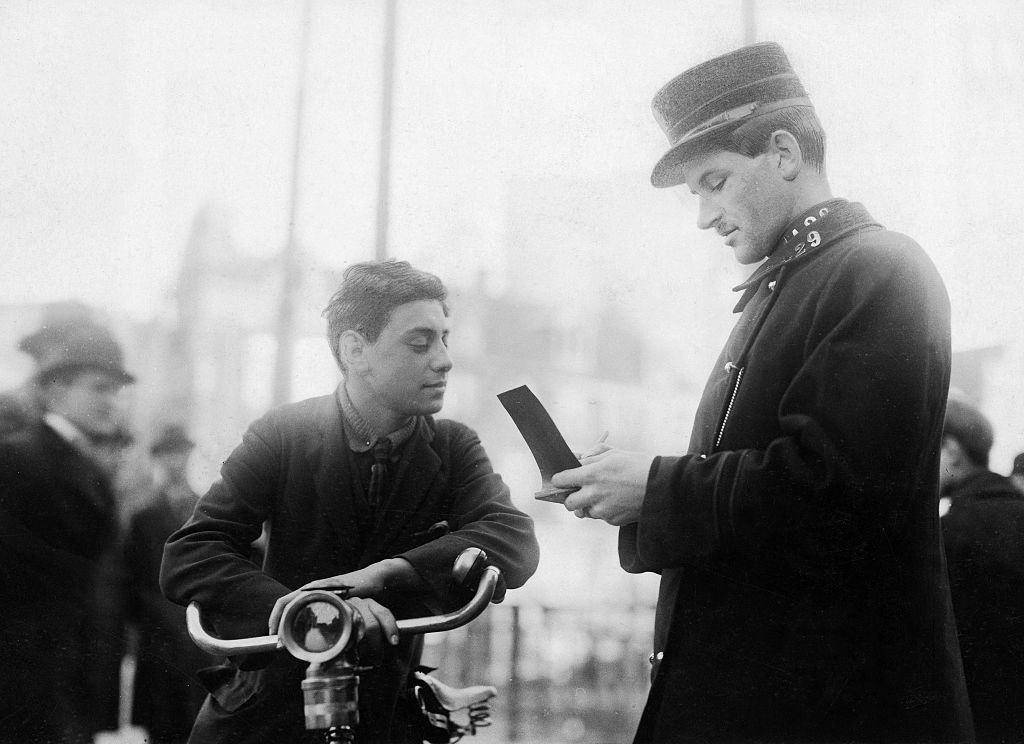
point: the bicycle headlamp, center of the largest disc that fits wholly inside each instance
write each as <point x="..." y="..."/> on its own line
<point x="317" y="626"/>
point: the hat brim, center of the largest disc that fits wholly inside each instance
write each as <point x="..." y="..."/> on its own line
<point x="123" y="377"/>
<point x="668" y="171"/>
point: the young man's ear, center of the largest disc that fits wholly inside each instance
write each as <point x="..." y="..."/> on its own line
<point x="352" y="350"/>
<point x="783" y="145"/>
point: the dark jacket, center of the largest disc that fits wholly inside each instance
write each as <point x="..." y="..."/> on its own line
<point x="803" y="593"/>
<point x="57" y="519"/>
<point x="295" y="469"/>
<point x="984" y="534"/>
<point x="167" y="693"/>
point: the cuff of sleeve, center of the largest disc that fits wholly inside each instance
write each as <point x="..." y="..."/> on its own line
<point x="681" y="518"/>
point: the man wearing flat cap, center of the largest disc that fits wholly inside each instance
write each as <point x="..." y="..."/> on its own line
<point x="804" y="595"/>
<point x="984" y="538"/>
<point x="167" y="691"/>
<point x="58" y="519"/>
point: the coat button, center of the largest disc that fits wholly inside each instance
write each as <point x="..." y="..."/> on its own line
<point x="656" y="657"/>
<point x="729" y="367"/>
<point x="702" y="456"/>
<point x="771" y="285"/>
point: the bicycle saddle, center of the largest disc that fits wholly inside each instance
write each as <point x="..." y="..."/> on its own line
<point x="455" y="698"/>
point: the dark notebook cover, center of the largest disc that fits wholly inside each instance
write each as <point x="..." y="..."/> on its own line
<point x="542" y="436"/>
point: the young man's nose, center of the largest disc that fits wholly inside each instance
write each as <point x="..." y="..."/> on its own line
<point x="442" y="360"/>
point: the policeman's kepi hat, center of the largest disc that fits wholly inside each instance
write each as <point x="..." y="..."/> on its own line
<point x="83" y="344"/>
<point x="967" y="425"/>
<point x="721" y="94"/>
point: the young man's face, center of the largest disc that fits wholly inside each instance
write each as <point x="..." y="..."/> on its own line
<point x="408" y="364"/>
<point x="89" y="401"/>
<point x="744" y="199"/>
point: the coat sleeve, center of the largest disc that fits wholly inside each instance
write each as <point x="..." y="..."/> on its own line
<point x="208" y="560"/>
<point x="484" y="517"/>
<point x="855" y="422"/>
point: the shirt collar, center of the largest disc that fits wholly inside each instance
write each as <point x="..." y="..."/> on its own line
<point x="360" y="435"/>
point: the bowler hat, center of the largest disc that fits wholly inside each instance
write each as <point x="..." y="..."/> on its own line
<point x="967" y="425"/>
<point x="172" y="438"/>
<point x="84" y="344"/>
<point x="721" y="93"/>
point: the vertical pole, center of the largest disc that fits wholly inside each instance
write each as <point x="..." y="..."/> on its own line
<point x="749" y="22"/>
<point x="515" y="700"/>
<point x="386" y="99"/>
<point x="289" y="264"/>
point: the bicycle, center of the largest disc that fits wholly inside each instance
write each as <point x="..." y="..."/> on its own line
<point x="322" y="629"/>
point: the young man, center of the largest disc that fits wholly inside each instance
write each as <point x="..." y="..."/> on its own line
<point x="803" y="592"/>
<point x="984" y="538"/>
<point x="361" y="488"/>
<point x="58" y="519"/>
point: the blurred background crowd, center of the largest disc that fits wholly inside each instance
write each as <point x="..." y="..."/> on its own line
<point x="193" y="177"/>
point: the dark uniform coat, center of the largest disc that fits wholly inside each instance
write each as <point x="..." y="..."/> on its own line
<point x="804" y="593"/>
<point x="984" y="534"/>
<point x="295" y="468"/>
<point x="57" y="519"/>
<point x="167" y="692"/>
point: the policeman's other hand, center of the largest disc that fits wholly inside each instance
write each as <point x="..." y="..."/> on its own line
<point x="611" y="486"/>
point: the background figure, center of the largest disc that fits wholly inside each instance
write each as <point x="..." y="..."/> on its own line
<point x="1017" y="474"/>
<point x="21" y="406"/>
<point x="984" y="537"/>
<point x="106" y="629"/>
<point x="59" y="518"/>
<point x="167" y="693"/>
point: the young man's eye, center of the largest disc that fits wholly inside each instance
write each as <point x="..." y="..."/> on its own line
<point x="420" y="347"/>
<point x="718" y="186"/>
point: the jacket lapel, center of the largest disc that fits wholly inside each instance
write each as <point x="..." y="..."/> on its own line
<point x="328" y="461"/>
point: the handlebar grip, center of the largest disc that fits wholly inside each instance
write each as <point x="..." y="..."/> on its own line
<point x="466" y="613"/>
<point x="221" y="646"/>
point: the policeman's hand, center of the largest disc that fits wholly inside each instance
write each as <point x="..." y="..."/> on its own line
<point x="611" y="486"/>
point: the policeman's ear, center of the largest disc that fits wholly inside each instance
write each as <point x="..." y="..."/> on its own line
<point x="782" y="146"/>
<point x="352" y="346"/>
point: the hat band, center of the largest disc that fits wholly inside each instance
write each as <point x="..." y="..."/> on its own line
<point x="746" y="111"/>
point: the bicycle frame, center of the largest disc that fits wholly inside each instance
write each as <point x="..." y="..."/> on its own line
<point x="321" y="628"/>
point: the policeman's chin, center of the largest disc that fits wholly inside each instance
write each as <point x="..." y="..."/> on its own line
<point x="746" y="253"/>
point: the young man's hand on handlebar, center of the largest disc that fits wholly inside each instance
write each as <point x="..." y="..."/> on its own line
<point x="363" y="587"/>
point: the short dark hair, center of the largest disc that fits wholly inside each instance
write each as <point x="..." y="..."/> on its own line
<point x="752" y="137"/>
<point x="369" y="293"/>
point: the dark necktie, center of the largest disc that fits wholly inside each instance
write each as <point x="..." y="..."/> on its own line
<point x="381" y="452"/>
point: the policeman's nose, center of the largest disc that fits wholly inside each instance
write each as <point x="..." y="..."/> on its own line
<point x="707" y="214"/>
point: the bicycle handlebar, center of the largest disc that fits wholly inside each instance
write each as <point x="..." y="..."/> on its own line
<point x="412" y="626"/>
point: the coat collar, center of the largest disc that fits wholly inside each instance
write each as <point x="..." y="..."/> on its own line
<point x="810" y="232"/>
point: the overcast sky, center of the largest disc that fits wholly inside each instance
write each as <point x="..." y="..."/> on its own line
<point x="122" y="118"/>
